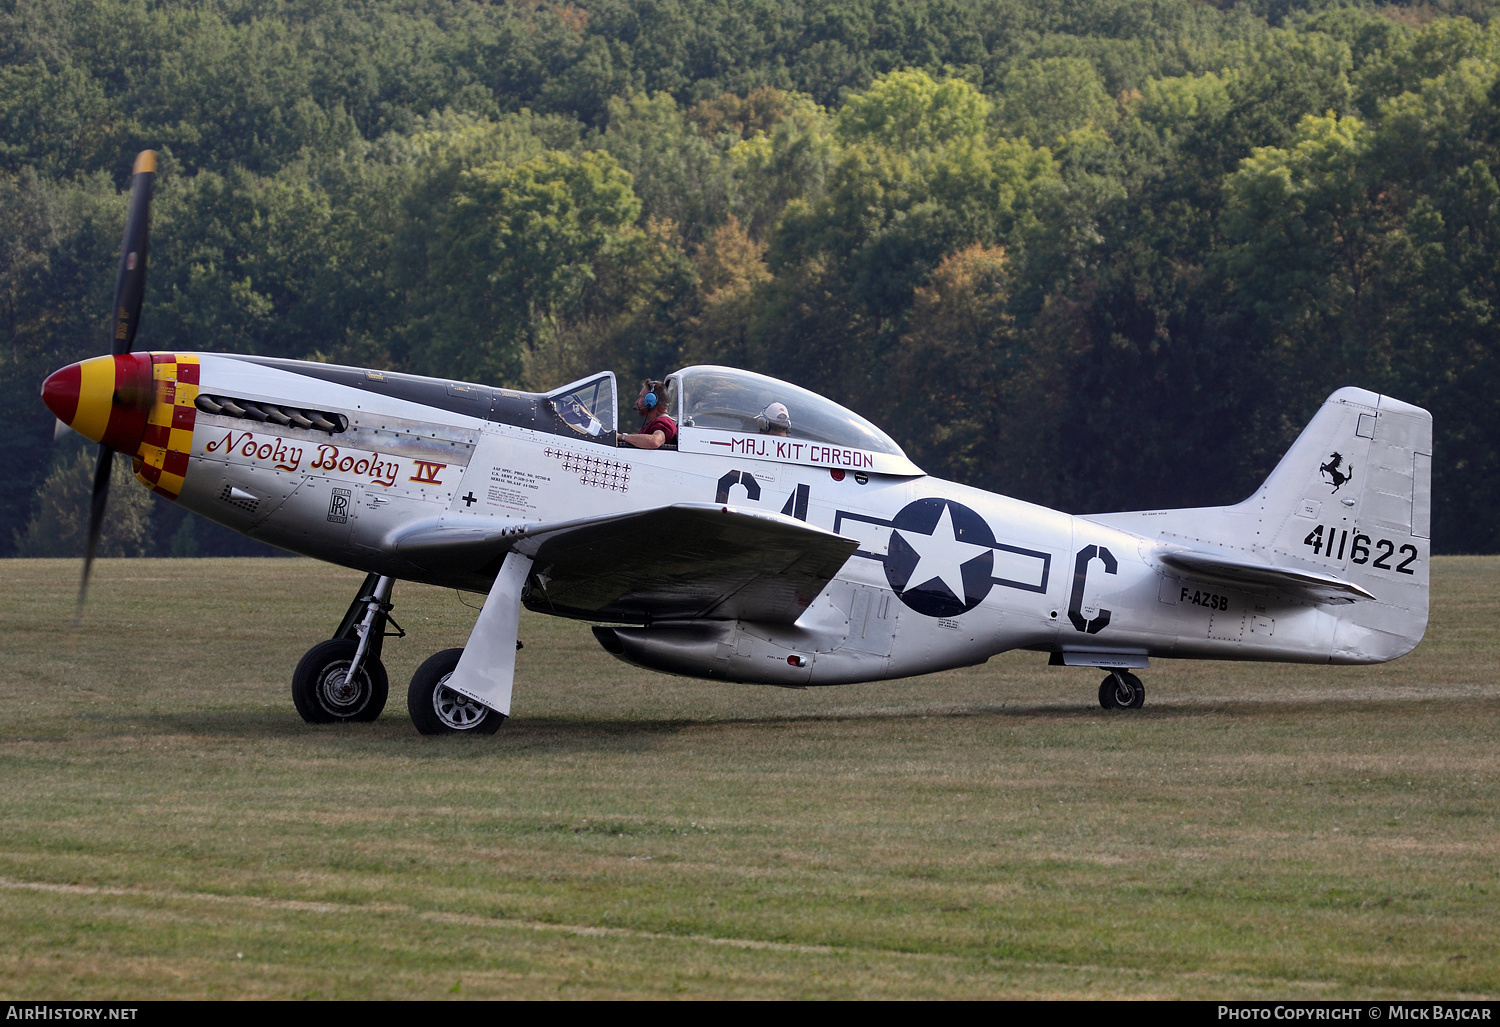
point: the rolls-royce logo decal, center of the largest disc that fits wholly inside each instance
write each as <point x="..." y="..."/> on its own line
<point x="941" y="557"/>
<point x="338" y="505"/>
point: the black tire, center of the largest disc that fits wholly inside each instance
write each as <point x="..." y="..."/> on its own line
<point x="1125" y="694"/>
<point x="438" y="710"/>
<point x="318" y="686"/>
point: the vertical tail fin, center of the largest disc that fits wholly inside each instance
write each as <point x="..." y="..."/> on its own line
<point x="1353" y="497"/>
<point x="1352" y="500"/>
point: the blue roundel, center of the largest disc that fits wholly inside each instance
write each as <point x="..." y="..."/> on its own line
<point x="941" y="557"/>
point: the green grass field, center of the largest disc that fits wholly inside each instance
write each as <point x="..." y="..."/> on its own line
<point x="170" y="828"/>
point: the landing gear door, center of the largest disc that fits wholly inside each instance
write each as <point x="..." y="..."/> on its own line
<point x="872" y="621"/>
<point x="588" y="406"/>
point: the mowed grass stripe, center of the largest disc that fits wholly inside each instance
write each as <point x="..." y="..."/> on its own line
<point x="915" y="973"/>
<point x="1257" y="830"/>
<point x="386" y="909"/>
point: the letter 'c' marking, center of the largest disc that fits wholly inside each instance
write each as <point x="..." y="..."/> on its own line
<point x="1080" y="578"/>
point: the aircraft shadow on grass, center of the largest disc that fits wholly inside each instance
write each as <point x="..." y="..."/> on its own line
<point x="545" y="734"/>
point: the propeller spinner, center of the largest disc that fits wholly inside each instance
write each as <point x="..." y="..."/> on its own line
<point x="108" y="399"/>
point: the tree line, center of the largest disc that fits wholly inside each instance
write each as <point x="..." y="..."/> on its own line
<point x="1099" y="254"/>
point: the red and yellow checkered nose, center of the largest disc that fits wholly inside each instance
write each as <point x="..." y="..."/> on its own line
<point x="106" y="399"/>
<point x="140" y="404"/>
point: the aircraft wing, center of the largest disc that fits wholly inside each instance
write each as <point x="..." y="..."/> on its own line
<point x="679" y="562"/>
<point x="1321" y="588"/>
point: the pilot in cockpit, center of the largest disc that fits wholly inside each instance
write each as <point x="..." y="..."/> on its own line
<point x="658" y="430"/>
<point x="775" y="419"/>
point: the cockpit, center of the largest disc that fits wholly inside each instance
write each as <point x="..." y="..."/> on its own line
<point x="721" y="409"/>
<point x="587" y="406"/>
<point x="718" y="410"/>
<point x="733" y="400"/>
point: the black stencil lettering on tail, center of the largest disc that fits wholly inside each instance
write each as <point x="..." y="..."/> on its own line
<point x="1331" y="472"/>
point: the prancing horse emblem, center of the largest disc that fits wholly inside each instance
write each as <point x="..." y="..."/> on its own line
<point x="1331" y="472"/>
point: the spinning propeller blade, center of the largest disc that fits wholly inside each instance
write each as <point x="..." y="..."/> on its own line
<point x="130" y="283"/>
<point x="97" y="502"/>
<point x="130" y="288"/>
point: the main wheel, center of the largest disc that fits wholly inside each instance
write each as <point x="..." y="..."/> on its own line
<point x="1123" y="693"/>
<point x="437" y="709"/>
<point x="323" y="691"/>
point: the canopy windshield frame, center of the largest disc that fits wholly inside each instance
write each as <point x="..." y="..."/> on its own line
<point x="728" y="408"/>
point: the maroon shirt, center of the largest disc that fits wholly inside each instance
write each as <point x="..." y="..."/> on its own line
<point x="663" y="424"/>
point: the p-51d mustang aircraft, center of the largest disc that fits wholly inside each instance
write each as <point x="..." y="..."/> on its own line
<point x="818" y="557"/>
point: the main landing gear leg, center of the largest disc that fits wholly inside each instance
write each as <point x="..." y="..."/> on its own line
<point x="468" y="690"/>
<point x="1122" y="690"/>
<point x="343" y="679"/>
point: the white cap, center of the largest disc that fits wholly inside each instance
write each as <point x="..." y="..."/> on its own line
<point x="777" y="414"/>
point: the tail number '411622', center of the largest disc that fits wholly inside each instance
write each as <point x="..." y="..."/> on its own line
<point x="1361" y="548"/>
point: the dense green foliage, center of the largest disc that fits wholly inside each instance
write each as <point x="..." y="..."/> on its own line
<point x="1102" y="254"/>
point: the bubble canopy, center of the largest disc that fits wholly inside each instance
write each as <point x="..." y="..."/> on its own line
<point x="719" y="401"/>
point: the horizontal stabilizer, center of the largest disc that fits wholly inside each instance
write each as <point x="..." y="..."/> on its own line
<point x="1322" y="588"/>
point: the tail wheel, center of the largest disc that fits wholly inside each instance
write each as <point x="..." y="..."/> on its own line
<point x="1122" y="691"/>
<point x="437" y="709"/>
<point x="323" y="691"/>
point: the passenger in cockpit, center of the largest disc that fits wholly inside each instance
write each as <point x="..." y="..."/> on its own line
<point x="775" y="419"/>
<point x="658" y="430"/>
